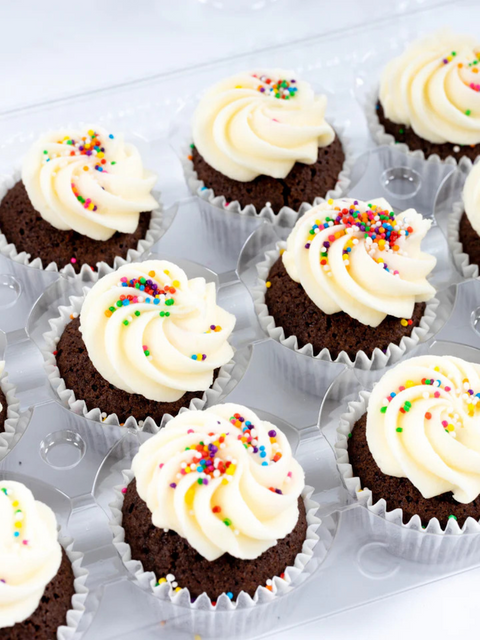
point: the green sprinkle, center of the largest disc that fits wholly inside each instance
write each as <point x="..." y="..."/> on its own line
<point x="227" y="521"/>
<point x="137" y="313"/>
<point x="45" y="152"/>
<point x="112" y="309"/>
<point x="399" y="429"/>
<point x="383" y="410"/>
<point x="113" y="163"/>
<point x="350" y="434"/>
<point x="119" y="303"/>
<point x="192" y="146"/>
<point x="167" y="313"/>
<point x="408" y="403"/>
<point x="169" y="302"/>
<point x="147" y="352"/>
<point x="468" y="112"/>
<point x="452" y="516"/>
<point x="142" y="280"/>
<point x="199" y="481"/>
<point x="454" y="53"/>
<point x="401" y="131"/>
<point x="125" y="322"/>
<point x="161" y="314"/>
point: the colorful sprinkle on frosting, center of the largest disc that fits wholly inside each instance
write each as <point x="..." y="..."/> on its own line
<point x="281" y="88"/>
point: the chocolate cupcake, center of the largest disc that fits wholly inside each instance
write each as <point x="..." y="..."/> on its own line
<point x="261" y="144"/>
<point x="428" y="99"/>
<point x="144" y="342"/>
<point x="10" y="426"/>
<point x="39" y="584"/>
<point x="464" y="227"/>
<point x="214" y="505"/>
<point x="410" y="450"/>
<point x="349" y="284"/>
<point x="83" y="197"/>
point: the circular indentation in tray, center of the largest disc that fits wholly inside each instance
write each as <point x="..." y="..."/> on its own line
<point x="401" y="182"/>
<point x="374" y="561"/>
<point x="9" y="290"/>
<point x="476" y="320"/>
<point x="62" y="449"/>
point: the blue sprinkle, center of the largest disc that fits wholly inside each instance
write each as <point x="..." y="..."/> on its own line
<point x="264" y="464"/>
<point x="263" y="454"/>
<point x="142" y="288"/>
<point x="156" y="301"/>
<point x="262" y="447"/>
<point x="202" y="189"/>
<point x="148" y="300"/>
<point x="126" y="303"/>
<point x="230" y="595"/>
<point x="111" y="137"/>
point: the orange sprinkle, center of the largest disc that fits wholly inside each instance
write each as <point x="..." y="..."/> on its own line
<point x="190" y="157"/>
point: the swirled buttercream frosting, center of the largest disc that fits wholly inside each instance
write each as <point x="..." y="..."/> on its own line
<point x="260" y="123"/>
<point x="361" y="258"/>
<point x="88" y="180"/>
<point x="223" y="479"/>
<point x="423" y="423"/>
<point x="434" y="87"/>
<point x="30" y="554"/>
<point x="150" y="330"/>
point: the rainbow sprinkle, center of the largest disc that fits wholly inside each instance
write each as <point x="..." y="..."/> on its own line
<point x="18" y="518"/>
<point x="148" y="292"/>
<point x="281" y="89"/>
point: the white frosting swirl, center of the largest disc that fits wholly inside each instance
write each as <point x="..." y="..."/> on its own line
<point x="30" y="554"/>
<point x="434" y="87"/>
<point x="88" y="180"/>
<point x="245" y="504"/>
<point x="243" y="130"/>
<point x="471" y="197"/>
<point x="160" y="341"/>
<point x="2" y="367"/>
<point x="369" y="277"/>
<point x="423" y="423"/>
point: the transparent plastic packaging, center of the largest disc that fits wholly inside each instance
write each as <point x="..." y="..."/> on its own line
<point x="74" y="463"/>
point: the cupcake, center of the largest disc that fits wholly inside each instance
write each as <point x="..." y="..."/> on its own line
<point x="214" y="505"/>
<point x="429" y="97"/>
<point x="351" y="278"/>
<point x="83" y="197"/>
<point x="37" y="578"/>
<point x="414" y="443"/>
<point x="146" y="342"/>
<point x="261" y="139"/>
<point x="467" y="228"/>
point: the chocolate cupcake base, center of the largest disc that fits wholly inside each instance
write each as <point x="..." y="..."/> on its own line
<point x="164" y="552"/>
<point x="83" y="379"/>
<point x="3" y="412"/>
<point x="405" y="134"/>
<point x="304" y="183"/>
<point x="25" y="228"/>
<point x="400" y="493"/>
<point x="51" y="613"/>
<point x="298" y="315"/>
<point x="469" y="239"/>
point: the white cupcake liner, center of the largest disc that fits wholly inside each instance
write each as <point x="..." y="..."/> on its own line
<point x="14" y="424"/>
<point x="74" y="615"/>
<point x="286" y="216"/>
<point x="78" y="406"/>
<point x="356" y="409"/>
<point x="381" y="137"/>
<point x="165" y="591"/>
<point x="8" y="249"/>
<point x="377" y="360"/>
<point x="460" y="258"/>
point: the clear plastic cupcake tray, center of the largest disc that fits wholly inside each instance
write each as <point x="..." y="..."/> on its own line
<point x="73" y="464"/>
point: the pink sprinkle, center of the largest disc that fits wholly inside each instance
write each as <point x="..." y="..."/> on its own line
<point x="123" y="279"/>
<point x="444" y="423"/>
<point x="190" y="431"/>
<point x="73" y="260"/>
<point x="289" y="474"/>
<point x="25" y="542"/>
<point x="401" y="388"/>
<point x="124" y="490"/>
<point x="87" y="201"/>
<point x="161" y="465"/>
<point x="448" y="389"/>
<point x="274" y="120"/>
<point x="145" y="347"/>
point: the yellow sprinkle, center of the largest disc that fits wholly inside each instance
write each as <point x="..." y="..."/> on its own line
<point x="231" y="470"/>
<point x="330" y="201"/>
<point x="175" y="283"/>
<point x="166" y="272"/>
<point x="162" y="580"/>
<point x="197" y="637"/>
<point x="18" y="525"/>
<point x="238" y="86"/>
<point x="403" y="322"/>
<point x="224" y="481"/>
<point x="450" y="427"/>
<point x="282" y="251"/>
<point x="436" y="368"/>
<point x="90" y="206"/>
<point x="187" y="470"/>
<point x="151" y="274"/>
<point x="268" y="284"/>
<point x="178" y="589"/>
<point x="409" y="383"/>
<point x="90" y="132"/>
<point x="15" y="503"/>
<point x="100" y="154"/>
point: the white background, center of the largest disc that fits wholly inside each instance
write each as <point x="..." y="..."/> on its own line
<point x="54" y="49"/>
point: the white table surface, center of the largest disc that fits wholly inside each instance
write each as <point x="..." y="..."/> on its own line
<point x="53" y="49"/>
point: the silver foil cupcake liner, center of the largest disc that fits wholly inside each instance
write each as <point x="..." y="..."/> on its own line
<point x="381" y="137"/>
<point x="165" y="591"/>
<point x="356" y="409"/>
<point x="286" y="216"/>
<point x="77" y="405"/>
<point x="377" y="360"/>
<point x="74" y="615"/>
<point x="14" y="424"/>
<point x="8" y="249"/>
<point x="460" y="258"/>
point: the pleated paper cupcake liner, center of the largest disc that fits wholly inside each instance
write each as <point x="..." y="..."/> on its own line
<point x="286" y="216"/>
<point x="377" y="360"/>
<point x="8" y="249"/>
<point x="74" y="615"/>
<point x="14" y="424"/>
<point x="165" y="591"/>
<point x="78" y="406"/>
<point x="408" y="539"/>
<point x="381" y="137"/>
<point x="460" y="258"/>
